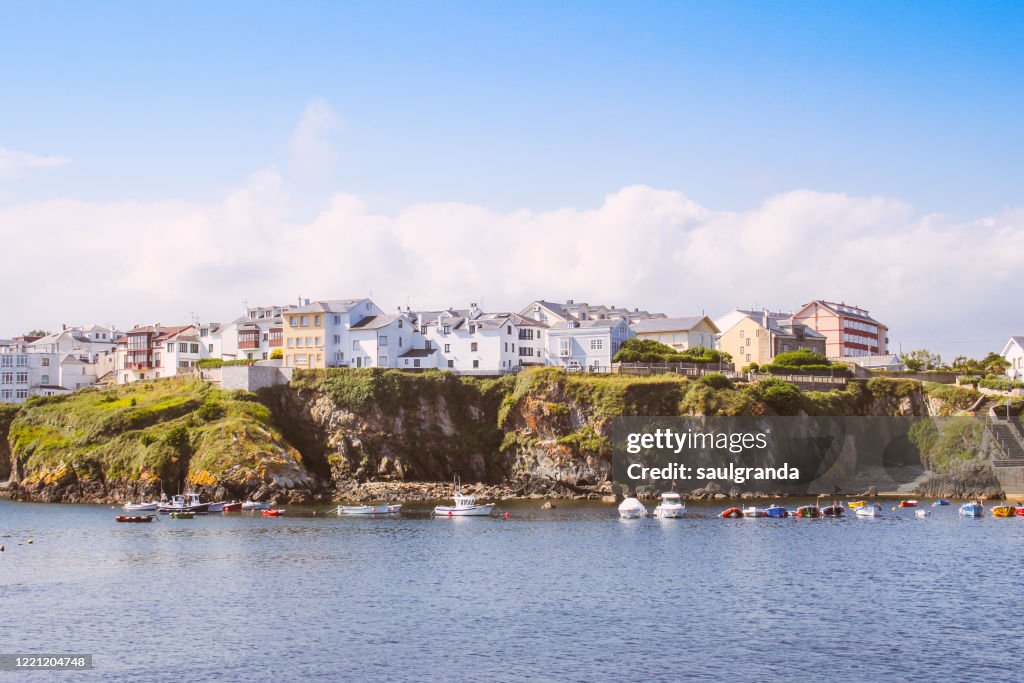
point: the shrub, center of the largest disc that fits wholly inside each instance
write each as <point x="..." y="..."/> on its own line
<point x="276" y="354"/>
<point x="716" y="381"/>
<point x="783" y="397"/>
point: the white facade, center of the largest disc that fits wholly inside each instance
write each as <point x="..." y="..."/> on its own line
<point x="471" y="341"/>
<point x="86" y="342"/>
<point x="318" y="334"/>
<point x="156" y="351"/>
<point x="254" y="336"/>
<point x="679" y="333"/>
<point x="380" y="341"/>
<point x="24" y="374"/>
<point x="1013" y="352"/>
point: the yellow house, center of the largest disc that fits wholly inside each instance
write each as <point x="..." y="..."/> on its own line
<point x="316" y="335"/>
<point x="679" y="333"/>
<point x="759" y="336"/>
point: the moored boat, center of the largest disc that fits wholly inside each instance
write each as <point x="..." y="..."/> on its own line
<point x="776" y="511"/>
<point x="182" y="515"/>
<point x="753" y="512"/>
<point x="731" y="513"/>
<point x="466" y="506"/>
<point x="1003" y="511"/>
<point x="141" y="507"/>
<point x="276" y="512"/>
<point x="808" y="511"/>
<point x="940" y="501"/>
<point x="1019" y="511"/>
<point x="670" y="507"/>
<point x="908" y="503"/>
<point x="188" y="502"/>
<point x="134" y="518"/>
<point x="833" y="510"/>
<point x="216" y="507"/>
<point x="232" y="507"/>
<point x="380" y="509"/>
<point x="922" y="513"/>
<point x="869" y="510"/>
<point x="972" y="509"/>
<point x="629" y="508"/>
<point x="856" y="504"/>
<point x="254" y="505"/>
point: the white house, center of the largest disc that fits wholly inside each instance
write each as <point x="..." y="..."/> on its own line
<point x="582" y="336"/>
<point x="253" y="336"/>
<point x="474" y="342"/>
<point x="384" y="340"/>
<point x="156" y="351"/>
<point x="680" y="333"/>
<point x="24" y="374"/>
<point x="1013" y="352"/>
<point x="86" y="342"/>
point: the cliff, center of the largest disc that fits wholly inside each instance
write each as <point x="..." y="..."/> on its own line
<point x="365" y="433"/>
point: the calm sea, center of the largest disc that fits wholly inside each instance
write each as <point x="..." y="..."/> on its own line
<point x="567" y="594"/>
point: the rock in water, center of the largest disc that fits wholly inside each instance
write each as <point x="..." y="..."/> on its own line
<point x="548" y="505"/>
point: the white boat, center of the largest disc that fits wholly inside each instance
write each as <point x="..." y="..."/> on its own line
<point x="670" y="507"/>
<point x="393" y="509"/>
<point x="381" y="509"/>
<point x="465" y="506"/>
<point x="972" y="509"/>
<point x="753" y="512"/>
<point x="869" y="510"/>
<point x="631" y="508"/>
<point x="216" y="507"/>
<point x="152" y="505"/>
<point x="188" y="502"/>
<point x="922" y="513"/>
<point x="253" y="505"/>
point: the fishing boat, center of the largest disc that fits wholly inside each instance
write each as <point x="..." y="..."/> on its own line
<point x="670" y="507"/>
<point x="182" y="515"/>
<point x="253" y="505"/>
<point x="908" y="503"/>
<point x="394" y="509"/>
<point x="466" y="506"/>
<point x="922" y="513"/>
<point x="731" y="513"/>
<point x="381" y="509"/>
<point x="232" y="507"/>
<point x="869" y="510"/>
<point x="1003" y="511"/>
<point x="141" y="507"/>
<point x="856" y="504"/>
<point x="276" y="512"/>
<point x="940" y="501"/>
<point x="833" y="510"/>
<point x="808" y="511"/>
<point x="972" y="509"/>
<point x="135" y="518"/>
<point x="753" y="512"/>
<point x="776" y="511"/>
<point x="216" y="507"/>
<point x="188" y="502"/>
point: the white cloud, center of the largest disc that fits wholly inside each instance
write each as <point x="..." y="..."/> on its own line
<point x="13" y="162"/>
<point x="311" y="146"/>
<point x="140" y="262"/>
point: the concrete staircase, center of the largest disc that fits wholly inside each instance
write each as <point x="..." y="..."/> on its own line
<point x="1009" y="443"/>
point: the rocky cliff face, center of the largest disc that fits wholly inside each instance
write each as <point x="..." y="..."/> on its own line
<point x="360" y="434"/>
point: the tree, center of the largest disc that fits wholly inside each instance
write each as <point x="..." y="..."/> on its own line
<point x="994" y="364"/>
<point x="37" y="333"/>
<point x="921" y="359"/>
<point x="276" y="354"/>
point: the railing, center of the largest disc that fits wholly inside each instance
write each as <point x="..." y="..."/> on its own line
<point x="801" y="379"/>
<point x="688" y="369"/>
<point x="248" y="344"/>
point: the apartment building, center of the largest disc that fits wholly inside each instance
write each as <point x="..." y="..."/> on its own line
<point x="156" y="351"/>
<point x="473" y="341"/>
<point x="849" y="330"/>
<point x="317" y="334"/>
<point x="253" y="336"/>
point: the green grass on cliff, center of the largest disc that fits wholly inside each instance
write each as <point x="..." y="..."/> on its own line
<point x="151" y="431"/>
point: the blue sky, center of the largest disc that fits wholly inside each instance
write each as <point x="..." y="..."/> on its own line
<point x="526" y="104"/>
<point x="513" y="113"/>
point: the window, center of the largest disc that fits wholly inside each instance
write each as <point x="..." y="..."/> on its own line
<point x="401" y="342"/>
<point x="309" y="341"/>
<point x="383" y="340"/>
<point x="7" y="394"/>
<point x="316" y="321"/>
<point x="46" y="362"/>
<point x="22" y="361"/>
<point x="563" y="347"/>
<point x="447" y="329"/>
<point x="741" y="334"/>
<point x="182" y="347"/>
<point x="316" y="341"/>
<point x="293" y="320"/>
<point x="447" y="348"/>
<point x="291" y="342"/>
<point x="382" y="361"/>
<point x="193" y="348"/>
<point x="304" y="321"/>
<point x="7" y="378"/>
<point x="210" y="350"/>
<point x="451" y="364"/>
<point x="355" y="345"/>
<point x="472" y="346"/>
<point x="21" y="393"/>
<point x="416" y="362"/>
<point x="423" y="329"/>
<point x="748" y="341"/>
<point x="399" y="324"/>
<point x="337" y="320"/>
<point x="6" y="361"/>
<point x="170" y="347"/>
<point x="337" y="339"/>
<point x="428" y="345"/>
<point x="506" y="347"/>
<point x="510" y="329"/>
<point x="596" y="344"/>
<point x="476" y="363"/>
<point x="21" y="378"/>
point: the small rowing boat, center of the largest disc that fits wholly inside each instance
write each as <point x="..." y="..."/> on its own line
<point x="833" y="510"/>
<point x="869" y="510"/>
<point x="972" y="509"/>
<point x="141" y="507"/>
<point x="857" y="504"/>
<point x="908" y="503"/>
<point x="808" y="512"/>
<point x="276" y="512"/>
<point x="136" y="519"/>
<point x="1003" y="511"/>
<point x="776" y="511"/>
<point x="940" y="501"/>
<point x="731" y="513"/>
<point x="182" y="515"/>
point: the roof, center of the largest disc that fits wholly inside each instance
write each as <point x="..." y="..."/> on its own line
<point x="166" y="332"/>
<point x="1014" y="340"/>
<point x="844" y="310"/>
<point x="328" y="306"/>
<point x="588" y="324"/>
<point x="417" y="353"/>
<point x="671" y="324"/>
<point x="375" y="322"/>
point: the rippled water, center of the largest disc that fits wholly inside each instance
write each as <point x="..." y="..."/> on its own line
<point x="567" y="594"/>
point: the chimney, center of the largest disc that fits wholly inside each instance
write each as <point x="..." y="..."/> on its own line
<point x="764" y="318"/>
<point x="307" y="302"/>
<point x="568" y="302"/>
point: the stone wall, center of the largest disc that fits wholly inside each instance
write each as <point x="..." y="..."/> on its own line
<point x="253" y="377"/>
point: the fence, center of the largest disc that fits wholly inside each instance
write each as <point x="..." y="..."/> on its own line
<point x="802" y="379"/>
<point x="688" y="369"/>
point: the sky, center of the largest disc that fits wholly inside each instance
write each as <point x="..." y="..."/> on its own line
<point x="171" y="161"/>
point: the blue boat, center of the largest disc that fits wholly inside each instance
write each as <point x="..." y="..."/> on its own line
<point x="940" y="501"/>
<point x="776" y="511"/>
<point x="972" y="509"/>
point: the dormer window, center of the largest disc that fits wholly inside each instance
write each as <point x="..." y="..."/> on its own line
<point x="447" y="329"/>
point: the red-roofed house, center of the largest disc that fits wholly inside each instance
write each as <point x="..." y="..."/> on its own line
<point x="157" y="351"/>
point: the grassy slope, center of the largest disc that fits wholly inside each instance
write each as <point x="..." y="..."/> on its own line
<point x="148" y="431"/>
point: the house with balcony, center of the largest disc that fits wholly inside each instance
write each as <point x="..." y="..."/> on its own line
<point x="87" y="342"/>
<point x="253" y="336"/>
<point x="752" y="336"/>
<point x="681" y="333"/>
<point x="848" y="330"/>
<point x="385" y="341"/>
<point x="1013" y="352"/>
<point x="317" y="334"/>
<point x="156" y="351"/>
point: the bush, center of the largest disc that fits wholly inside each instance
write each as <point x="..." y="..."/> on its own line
<point x="716" y="381"/>
<point x="650" y="351"/>
<point x="783" y="397"/>
<point x="1000" y="383"/>
<point x="276" y="354"/>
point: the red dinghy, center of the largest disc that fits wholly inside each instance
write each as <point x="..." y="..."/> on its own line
<point x="1019" y="511"/>
<point x="273" y="513"/>
<point x="731" y="513"/>
<point x="908" y="503"/>
<point x="232" y="507"/>
<point x="137" y="519"/>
